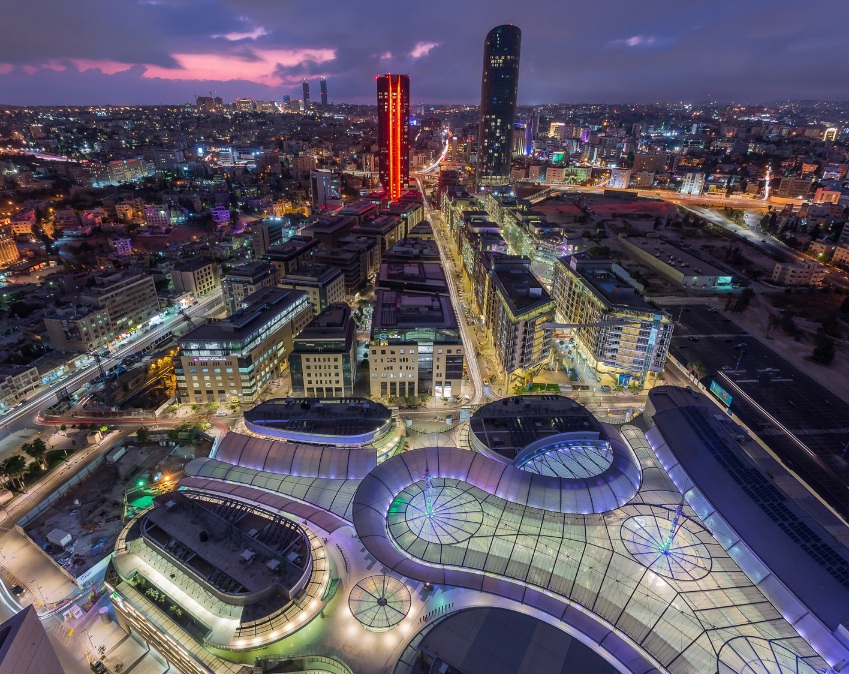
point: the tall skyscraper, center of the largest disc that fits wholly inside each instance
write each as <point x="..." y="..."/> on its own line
<point x="499" y="87"/>
<point x="306" y="95"/>
<point x="323" y="84"/>
<point x="393" y="132"/>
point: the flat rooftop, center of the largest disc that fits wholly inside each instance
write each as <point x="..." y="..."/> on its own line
<point x="425" y="250"/>
<point x="263" y="306"/>
<point x="251" y="270"/>
<point x="291" y="248"/>
<point x="334" y="323"/>
<point x="312" y="273"/>
<point x="668" y="252"/>
<point x="520" y="287"/>
<point x="396" y="309"/>
<point x="509" y="425"/>
<point x="413" y="275"/>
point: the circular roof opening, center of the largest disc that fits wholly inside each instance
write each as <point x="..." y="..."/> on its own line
<point x="668" y="544"/>
<point x="379" y="602"/>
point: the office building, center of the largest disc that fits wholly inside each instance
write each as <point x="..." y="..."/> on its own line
<point x="130" y="299"/>
<point x="518" y="309"/>
<point x="393" y="133"/>
<point x="78" y="329"/>
<point x="236" y="359"/>
<point x="324" y="285"/>
<point x="387" y="230"/>
<point x="357" y="256"/>
<point x="306" y="89"/>
<point x="197" y="277"/>
<point x="323" y="362"/>
<point x="323" y="85"/>
<point x="325" y="190"/>
<point x="288" y="257"/>
<point x="267" y="233"/>
<point x="499" y="88"/>
<point x="245" y="280"/>
<point x="633" y="349"/>
<point x="415" y="346"/>
<point x="8" y="248"/>
<point x="794" y="188"/>
<point x="329" y="229"/>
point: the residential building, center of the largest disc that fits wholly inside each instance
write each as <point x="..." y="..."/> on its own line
<point x="415" y="346"/>
<point x="808" y="273"/>
<point x="619" y="179"/>
<point x="236" y="359"/>
<point x="245" y="280"/>
<point x="325" y="190"/>
<point x="518" y="309"/>
<point x="78" y="329"/>
<point x="323" y="284"/>
<point x="323" y="362"/>
<point x="8" y="248"/>
<point x="499" y="88"/>
<point x="16" y="381"/>
<point x="587" y="291"/>
<point x="198" y="277"/>
<point x="130" y="299"/>
<point x="393" y="133"/>
<point x="288" y="257"/>
<point x="693" y="183"/>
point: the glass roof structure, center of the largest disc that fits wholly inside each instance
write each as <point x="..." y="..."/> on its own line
<point x="631" y="568"/>
<point x="379" y="602"/>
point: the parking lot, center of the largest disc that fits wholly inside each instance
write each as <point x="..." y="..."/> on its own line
<point x="773" y="398"/>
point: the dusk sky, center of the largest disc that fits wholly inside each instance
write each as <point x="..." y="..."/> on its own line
<point x="168" y="51"/>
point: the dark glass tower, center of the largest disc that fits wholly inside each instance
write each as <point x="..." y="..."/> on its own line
<point x="306" y="95"/>
<point x="393" y="133"/>
<point x="323" y="84"/>
<point x="499" y="87"/>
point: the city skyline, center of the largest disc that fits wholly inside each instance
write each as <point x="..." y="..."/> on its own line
<point x="763" y="51"/>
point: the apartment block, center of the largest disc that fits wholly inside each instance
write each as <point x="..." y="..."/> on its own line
<point x="78" y="329"/>
<point x="130" y="299"/>
<point x="199" y="277"/>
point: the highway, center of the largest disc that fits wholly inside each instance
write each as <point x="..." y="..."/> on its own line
<point x="48" y="397"/>
<point x="472" y="365"/>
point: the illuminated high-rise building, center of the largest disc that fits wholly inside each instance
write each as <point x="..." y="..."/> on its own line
<point x="306" y="87"/>
<point x="393" y="132"/>
<point x="499" y="87"/>
<point x="323" y="84"/>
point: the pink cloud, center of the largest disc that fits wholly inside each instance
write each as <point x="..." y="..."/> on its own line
<point x="252" y="35"/>
<point x="6" y="68"/>
<point x="106" y="67"/>
<point x="385" y="56"/>
<point x="261" y="68"/>
<point x="423" y="49"/>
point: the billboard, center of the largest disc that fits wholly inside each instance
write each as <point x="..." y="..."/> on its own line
<point x="720" y="393"/>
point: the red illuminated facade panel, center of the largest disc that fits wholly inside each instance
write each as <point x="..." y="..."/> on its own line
<point x="393" y="133"/>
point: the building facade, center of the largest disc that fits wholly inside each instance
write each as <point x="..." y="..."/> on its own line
<point x="393" y="133"/>
<point x="131" y="300"/>
<point x="245" y="280"/>
<point x="198" y="278"/>
<point x="499" y="88"/>
<point x="635" y="346"/>
<point x="323" y="362"/>
<point x="72" y="329"/>
<point x="415" y="346"/>
<point x="323" y="284"/>
<point x="236" y="359"/>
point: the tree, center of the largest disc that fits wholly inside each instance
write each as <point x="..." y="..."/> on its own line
<point x="824" y="350"/>
<point x="142" y="435"/>
<point x="697" y="369"/>
<point x="211" y="407"/>
<point x="36" y="449"/>
<point x="13" y="469"/>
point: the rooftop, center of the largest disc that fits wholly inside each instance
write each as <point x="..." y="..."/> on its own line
<point x="334" y="420"/>
<point x="509" y="425"/>
<point x="334" y="323"/>
<point x="252" y="271"/>
<point x="674" y="255"/>
<point x="262" y="306"/>
<point x="291" y="249"/>
<point x="518" y="285"/>
<point x="425" y="250"/>
<point x="413" y="275"/>
<point x="398" y="309"/>
<point x="597" y="274"/>
<point x="317" y="273"/>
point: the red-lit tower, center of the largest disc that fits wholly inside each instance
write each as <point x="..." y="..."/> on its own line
<point x="393" y="133"/>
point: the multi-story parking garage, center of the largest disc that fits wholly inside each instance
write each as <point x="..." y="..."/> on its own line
<point x="582" y="541"/>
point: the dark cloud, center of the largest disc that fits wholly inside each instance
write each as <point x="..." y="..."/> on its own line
<point x="616" y="51"/>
